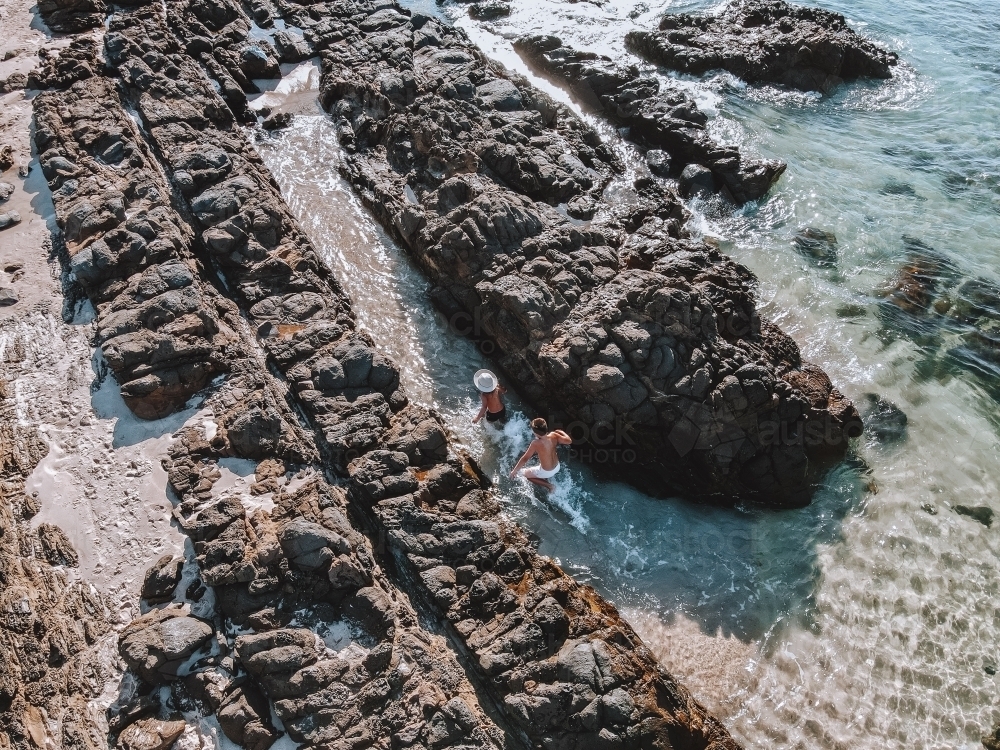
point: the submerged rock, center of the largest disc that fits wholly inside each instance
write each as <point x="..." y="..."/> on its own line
<point x="992" y="741"/>
<point x="489" y="10"/>
<point x="883" y="419"/>
<point x="919" y="281"/>
<point x="904" y="189"/>
<point x="956" y="318"/>
<point x="818" y="245"/>
<point x="980" y="513"/>
<point x="765" y="41"/>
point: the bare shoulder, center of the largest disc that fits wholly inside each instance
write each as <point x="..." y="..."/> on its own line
<point x="562" y="437"/>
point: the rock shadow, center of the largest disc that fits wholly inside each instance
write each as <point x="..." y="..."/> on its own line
<point x="107" y="403"/>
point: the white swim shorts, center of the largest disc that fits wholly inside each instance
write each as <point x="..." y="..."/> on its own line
<point x="539" y="473"/>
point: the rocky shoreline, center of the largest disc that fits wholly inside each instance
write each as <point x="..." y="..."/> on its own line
<point x="196" y="269"/>
<point x="359" y="587"/>
<point x="621" y="327"/>
<point x="54" y="628"/>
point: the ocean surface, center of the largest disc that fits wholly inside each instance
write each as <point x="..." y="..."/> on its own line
<point x="870" y="619"/>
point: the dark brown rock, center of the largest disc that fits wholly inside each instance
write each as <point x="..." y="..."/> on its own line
<point x="668" y="120"/>
<point x="56" y="546"/>
<point x="245" y="718"/>
<point x="151" y="734"/>
<point x="161" y="579"/>
<point x="13" y="82"/>
<point x="72" y="15"/>
<point x="162" y="337"/>
<point x="765" y="41"/>
<point x="158" y="643"/>
<point x="76" y="62"/>
<point x="292" y="47"/>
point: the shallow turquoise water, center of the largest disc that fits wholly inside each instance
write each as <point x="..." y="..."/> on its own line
<point x="863" y="620"/>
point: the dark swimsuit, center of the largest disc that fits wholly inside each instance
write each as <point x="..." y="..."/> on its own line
<point x="500" y="416"/>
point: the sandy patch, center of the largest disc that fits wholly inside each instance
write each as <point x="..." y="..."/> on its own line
<point x="25" y="266"/>
<point x="101" y="481"/>
<point x="295" y="92"/>
<point x="712" y="667"/>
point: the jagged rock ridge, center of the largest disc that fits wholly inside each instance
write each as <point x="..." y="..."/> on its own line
<point x="51" y="626"/>
<point x="534" y="658"/>
<point x="765" y="41"/>
<point x="623" y="326"/>
<point x="668" y="120"/>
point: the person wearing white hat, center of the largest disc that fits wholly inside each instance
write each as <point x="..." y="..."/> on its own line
<point x="491" y="396"/>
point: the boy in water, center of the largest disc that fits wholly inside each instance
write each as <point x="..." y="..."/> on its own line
<point x="544" y="446"/>
<point x="491" y="396"/>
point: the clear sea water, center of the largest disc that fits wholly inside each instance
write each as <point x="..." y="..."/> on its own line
<point x="866" y="620"/>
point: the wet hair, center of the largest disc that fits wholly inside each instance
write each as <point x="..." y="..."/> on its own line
<point x="539" y="426"/>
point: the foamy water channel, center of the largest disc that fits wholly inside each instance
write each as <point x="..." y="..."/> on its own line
<point x="865" y="620"/>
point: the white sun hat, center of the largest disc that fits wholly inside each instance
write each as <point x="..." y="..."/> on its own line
<point x="485" y="381"/>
